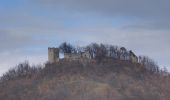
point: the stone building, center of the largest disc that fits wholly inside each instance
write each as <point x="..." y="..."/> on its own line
<point x="72" y="56"/>
<point x="77" y="56"/>
<point x="53" y="55"/>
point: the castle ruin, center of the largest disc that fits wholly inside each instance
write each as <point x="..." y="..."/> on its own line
<point x="84" y="56"/>
<point x="53" y="55"/>
<point x="77" y="56"/>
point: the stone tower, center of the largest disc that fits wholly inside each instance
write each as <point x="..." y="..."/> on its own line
<point x="53" y="55"/>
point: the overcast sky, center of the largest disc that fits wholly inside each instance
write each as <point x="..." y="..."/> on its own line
<point x="29" y="27"/>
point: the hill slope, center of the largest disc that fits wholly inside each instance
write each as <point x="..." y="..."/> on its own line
<point x="109" y="80"/>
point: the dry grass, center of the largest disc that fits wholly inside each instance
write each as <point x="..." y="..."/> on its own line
<point x="109" y="80"/>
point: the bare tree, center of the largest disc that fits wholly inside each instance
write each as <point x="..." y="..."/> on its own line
<point x="114" y="51"/>
<point x="101" y="52"/>
<point x="66" y="48"/>
<point x="123" y="54"/>
<point x="149" y="64"/>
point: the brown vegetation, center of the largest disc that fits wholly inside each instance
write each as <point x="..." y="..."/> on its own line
<point x="108" y="80"/>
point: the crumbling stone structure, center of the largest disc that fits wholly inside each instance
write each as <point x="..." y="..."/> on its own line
<point x="84" y="56"/>
<point x="53" y="55"/>
<point x="77" y="56"/>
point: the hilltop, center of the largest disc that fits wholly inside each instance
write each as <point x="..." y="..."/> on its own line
<point x="98" y="79"/>
<point x="109" y="80"/>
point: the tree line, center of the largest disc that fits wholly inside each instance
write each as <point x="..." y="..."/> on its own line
<point x="96" y="51"/>
<point x="102" y="51"/>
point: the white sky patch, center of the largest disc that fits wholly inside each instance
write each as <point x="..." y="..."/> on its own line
<point x="11" y="59"/>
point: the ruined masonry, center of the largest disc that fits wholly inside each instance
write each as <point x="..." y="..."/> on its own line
<point x="53" y="55"/>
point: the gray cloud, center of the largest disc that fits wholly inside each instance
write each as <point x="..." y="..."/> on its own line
<point x="43" y="23"/>
<point x="12" y="40"/>
<point x="151" y="13"/>
<point x="163" y="25"/>
<point x="136" y="8"/>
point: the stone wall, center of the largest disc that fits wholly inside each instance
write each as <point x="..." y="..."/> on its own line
<point x="77" y="56"/>
<point x="72" y="56"/>
<point x="53" y="55"/>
